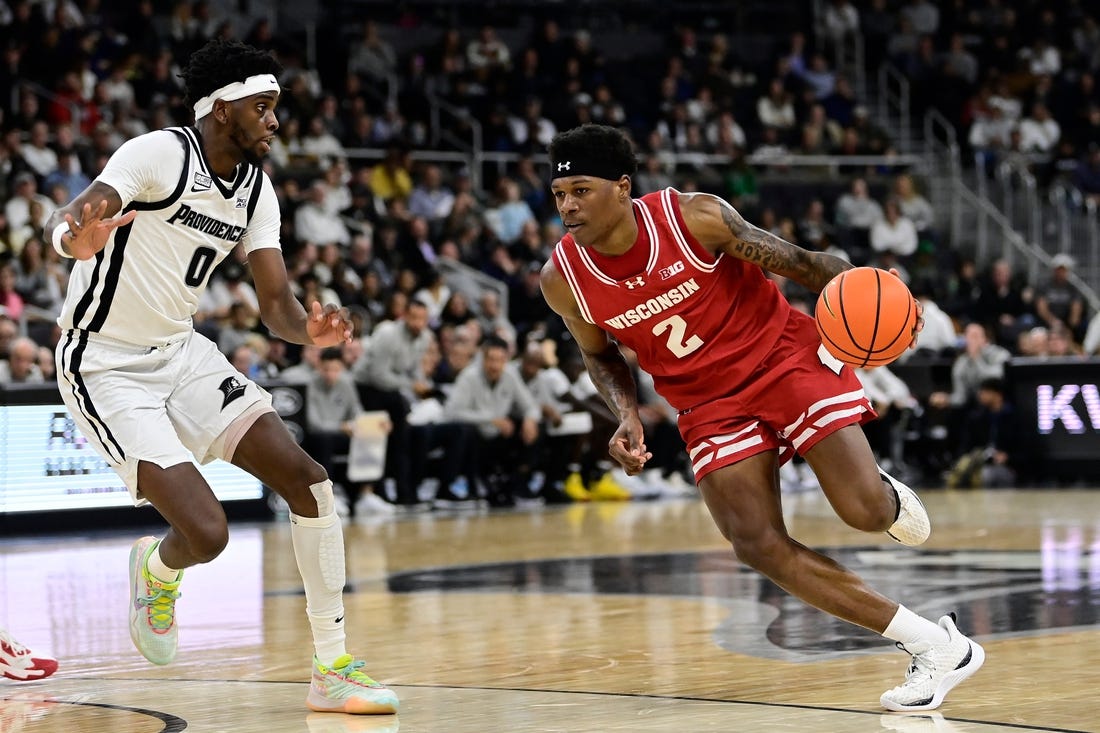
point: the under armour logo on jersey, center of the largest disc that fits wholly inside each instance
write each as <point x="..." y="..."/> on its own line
<point x="634" y="282"/>
<point x="203" y="182"/>
<point x="232" y="388"/>
<point x="564" y="166"/>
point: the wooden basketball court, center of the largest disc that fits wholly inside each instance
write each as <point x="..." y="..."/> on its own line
<point x="603" y="617"/>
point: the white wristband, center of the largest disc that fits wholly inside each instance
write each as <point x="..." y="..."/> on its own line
<point x="58" y="232"/>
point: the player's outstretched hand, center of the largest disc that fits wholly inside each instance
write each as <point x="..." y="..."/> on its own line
<point x="627" y="446"/>
<point x="328" y="326"/>
<point x="88" y="237"/>
<point x="920" y="313"/>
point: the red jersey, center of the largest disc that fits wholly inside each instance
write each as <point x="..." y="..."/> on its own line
<point x="700" y="323"/>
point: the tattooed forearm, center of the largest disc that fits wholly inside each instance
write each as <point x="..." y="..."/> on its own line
<point x="613" y="380"/>
<point x="753" y="244"/>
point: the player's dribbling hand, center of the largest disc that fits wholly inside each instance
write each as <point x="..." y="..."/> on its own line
<point x="328" y="326"/>
<point x="88" y="237"/>
<point x="920" y="312"/>
<point x="627" y="446"/>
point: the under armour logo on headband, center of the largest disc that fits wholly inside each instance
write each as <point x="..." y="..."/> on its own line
<point x="564" y="166"/>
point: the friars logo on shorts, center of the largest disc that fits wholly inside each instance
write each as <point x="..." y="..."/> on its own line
<point x="232" y="388"/>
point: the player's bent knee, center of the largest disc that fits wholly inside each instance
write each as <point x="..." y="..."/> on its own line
<point x="206" y="543"/>
<point x="762" y="552"/>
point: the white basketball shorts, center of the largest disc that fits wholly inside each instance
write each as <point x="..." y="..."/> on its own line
<point x="164" y="405"/>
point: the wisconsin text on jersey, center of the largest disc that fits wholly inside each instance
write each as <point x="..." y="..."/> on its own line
<point x="206" y="224"/>
<point x="655" y="305"/>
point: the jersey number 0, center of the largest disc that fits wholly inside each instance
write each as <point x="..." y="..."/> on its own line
<point x="199" y="267"/>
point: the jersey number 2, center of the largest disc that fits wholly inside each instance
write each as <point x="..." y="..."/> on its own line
<point x="199" y="267"/>
<point x="677" y="329"/>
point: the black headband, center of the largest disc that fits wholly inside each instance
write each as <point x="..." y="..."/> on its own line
<point x="596" y="167"/>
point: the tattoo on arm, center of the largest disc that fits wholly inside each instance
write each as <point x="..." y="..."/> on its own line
<point x="613" y="380"/>
<point x="751" y="243"/>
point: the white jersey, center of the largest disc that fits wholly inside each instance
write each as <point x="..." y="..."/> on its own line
<point x="145" y="285"/>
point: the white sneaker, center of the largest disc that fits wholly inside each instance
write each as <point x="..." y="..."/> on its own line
<point x="935" y="670"/>
<point x="370" y="504"/>
<point x="912" y="526"/>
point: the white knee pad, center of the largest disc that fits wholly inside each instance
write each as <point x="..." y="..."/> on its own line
<point x="319" y="546"/>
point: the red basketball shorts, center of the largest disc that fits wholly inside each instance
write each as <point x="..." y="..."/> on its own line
<point x="799" y="395"/>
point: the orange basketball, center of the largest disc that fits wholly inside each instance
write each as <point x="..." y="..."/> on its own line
<point x="866" y="317"/>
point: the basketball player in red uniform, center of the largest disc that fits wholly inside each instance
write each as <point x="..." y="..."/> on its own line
<point x="680" y="278"/>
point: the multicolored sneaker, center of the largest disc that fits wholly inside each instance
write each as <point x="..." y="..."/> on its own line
<point x="152" y="607"/>
<point x="17" y="662"/>
<point x="343" y="688"/>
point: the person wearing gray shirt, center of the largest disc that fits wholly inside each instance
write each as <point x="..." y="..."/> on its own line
<point x="390" y="378"/>
<point x="492" y="396"/>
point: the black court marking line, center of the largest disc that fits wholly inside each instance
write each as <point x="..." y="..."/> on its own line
<point x="758" y="703"/>
<point x="635" y="695"/>
<point x="172" y="723"/>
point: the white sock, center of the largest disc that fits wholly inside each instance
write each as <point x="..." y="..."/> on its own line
<point x="915" y="632"/>
<point x="319" y="549"/>
<point x="156" y="567"/>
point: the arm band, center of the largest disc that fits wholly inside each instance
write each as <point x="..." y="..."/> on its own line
<point x="58" y="232"/>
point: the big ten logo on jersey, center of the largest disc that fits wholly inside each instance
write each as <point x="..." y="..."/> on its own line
<point x="68" y="452"/>
<point x="674" y="269"/>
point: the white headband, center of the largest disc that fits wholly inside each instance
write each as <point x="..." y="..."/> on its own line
<point x="236" y="90"/>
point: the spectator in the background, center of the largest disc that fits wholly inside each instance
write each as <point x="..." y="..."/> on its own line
<point x="372" y="55"/>
<point x="390" y="378"/>
<point x="652" y="176"/>
<point x="856" y="213"/>
<point x="332" y="406"/>
<point x="68" y="174"/>
<point x="434" y="294"/>
<point x="1003" y="305"/>
<point x="10" y="299"/>
<point x="775" y="109"/>
<point x="487" y="51"/>
<point x="390" y="179"/>
<point x="40" y="282"/>
<point x="314" y="223"/>
<point x="431" y="199"/>
<point x="1058" y="301"/>
<point x="492" y="318"/>
<point x="923" y="16"/>
<point x="1039" y="133"/>
<point x="507" y="217"/>
<point x="893" y="238"/>
<point x="914" y="206"/>
<point x="492" y="397"/>
<point x="21" y="366"/>
<point x="1086" y="176"/>
<point x="37" y="153"/>
<point x="992" y="450"/>
<point x="17" y="208"/>
<point x="979" y="360"/>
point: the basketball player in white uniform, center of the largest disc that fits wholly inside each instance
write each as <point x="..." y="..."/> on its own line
<point x="150" y="393"/>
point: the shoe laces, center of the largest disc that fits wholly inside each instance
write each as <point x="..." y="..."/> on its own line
<point x="161" y="603"/>
<point x="16" y="648"/>
<point x="919" y="664"/>
<point x="351" y="672"/>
